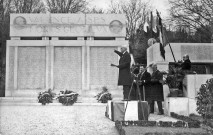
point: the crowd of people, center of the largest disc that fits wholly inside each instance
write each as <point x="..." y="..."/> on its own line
<point x="139" y="84"/>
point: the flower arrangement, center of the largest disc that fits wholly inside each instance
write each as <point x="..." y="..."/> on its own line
<point x="173" y="78"/>
<point x="67" y="97"/>
<point x="104" y="96"/>
<point x="46" y="97"/>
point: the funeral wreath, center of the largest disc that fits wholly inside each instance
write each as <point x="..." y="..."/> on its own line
<point x="67" y="97"/>
<point x="46" y="97"/>
<point x="103" y="96"/>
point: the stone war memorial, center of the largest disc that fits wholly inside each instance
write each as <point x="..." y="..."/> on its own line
<point x="63" y="51"/>
<point x="199" y="54"/>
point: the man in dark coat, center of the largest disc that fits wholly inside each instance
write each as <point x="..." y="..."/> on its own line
<point x="144" y="81"/>
<point x="186" y="65"/>
<point x="124" y="71"/>
<point x="156" y="93"/>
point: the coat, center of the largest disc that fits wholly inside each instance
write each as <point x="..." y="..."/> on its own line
<point x="145" y="78"/>
<point x="186" y="65"/>
<point x="156" y="92"/>
<point x="124" y="77"/>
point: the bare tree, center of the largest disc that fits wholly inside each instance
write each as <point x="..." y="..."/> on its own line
<point x="95" y="10"/>
<point x="27" y="6"/>
<point x="193" y="13"/>
<point x="66" y="6"/>
<point x="136" y="12"/>
<point x="115" y="8"/>
<point x="4" y="35"/>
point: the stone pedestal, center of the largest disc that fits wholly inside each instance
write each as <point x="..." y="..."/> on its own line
<point x="180" y="105"/>
<point x="193" y="84"/>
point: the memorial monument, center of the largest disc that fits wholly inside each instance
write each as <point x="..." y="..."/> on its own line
<point x="199" y="54"/>
<point x="63" y="51"/>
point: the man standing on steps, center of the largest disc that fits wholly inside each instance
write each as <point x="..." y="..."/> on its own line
<point x="124" y="71"/>
<point x="156" y="93"/>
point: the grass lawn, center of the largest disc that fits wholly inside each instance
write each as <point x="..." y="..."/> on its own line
<point x="137" y="130"/>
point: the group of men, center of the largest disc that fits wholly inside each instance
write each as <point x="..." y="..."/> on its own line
<point x="150" y="85"/>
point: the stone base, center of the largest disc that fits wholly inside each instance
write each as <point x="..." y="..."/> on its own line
<point x="84" y="95"/>
<point x="180" y="105"/>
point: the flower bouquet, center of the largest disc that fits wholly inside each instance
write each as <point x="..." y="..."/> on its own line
<point x="45" y="97"/>
<point x="103" y="96"/>
<point x="67" y="97"/>
<point x="173" y="78"/>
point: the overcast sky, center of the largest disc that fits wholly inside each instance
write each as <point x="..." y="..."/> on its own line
<point x="160" y="5"/>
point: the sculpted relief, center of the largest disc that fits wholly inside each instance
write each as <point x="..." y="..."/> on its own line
<point x="70" y="25"/>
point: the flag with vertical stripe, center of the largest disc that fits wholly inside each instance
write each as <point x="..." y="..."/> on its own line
<point x="161" y="36"/>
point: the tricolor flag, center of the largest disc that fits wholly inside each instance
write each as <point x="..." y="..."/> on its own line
<point x="161" y="36"/>
<point x="145" y="27"/>
<point x="154" y="24"/>
<point x="135" y="110"/>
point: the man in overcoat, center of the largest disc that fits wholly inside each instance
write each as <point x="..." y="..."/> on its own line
<point x="144" y="82"/>
<point x="124" y="71"/>
<point x="156" y="93"/>
<point x="186" y="65"/>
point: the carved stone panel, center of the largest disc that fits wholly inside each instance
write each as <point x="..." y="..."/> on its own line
<point x="31" y="67"/>
<point x="67" y="68"/>
<point x="101" y="73"/>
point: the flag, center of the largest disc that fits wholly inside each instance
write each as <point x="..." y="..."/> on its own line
<point x="145" y="27"/>
<point x="161" y="36"/>
<point x="151" y="22"/>
<point x="154" y="24"/>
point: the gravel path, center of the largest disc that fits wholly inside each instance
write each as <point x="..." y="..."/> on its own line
<point x="55" y="120"/>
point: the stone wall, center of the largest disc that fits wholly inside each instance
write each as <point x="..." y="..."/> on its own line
<point x="78" y="63"/>
<point x="198" y="52"/>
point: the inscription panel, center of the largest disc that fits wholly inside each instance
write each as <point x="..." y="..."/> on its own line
<point x="67" y="68"/>
<point x="201" y="53"/>
<point x="188" y="50"/>
<point x="110" y="25"/>
<point x="101" y="73"/>
<point x="31" y="67"/>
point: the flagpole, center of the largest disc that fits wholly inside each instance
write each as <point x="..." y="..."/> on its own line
<point x="166" y="38"/>
<point x="151" y="24"/>
<point x="170" y="48"/>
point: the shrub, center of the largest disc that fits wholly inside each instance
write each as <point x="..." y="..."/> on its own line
<point x="205" y="99"/>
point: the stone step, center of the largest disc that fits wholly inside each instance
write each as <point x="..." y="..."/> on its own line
<point x="32" y="100"/>
<point x="116" y="93"/>
<point x="50" y="104"/>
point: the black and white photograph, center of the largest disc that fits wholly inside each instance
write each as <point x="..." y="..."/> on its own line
<point x="106" y="67"/>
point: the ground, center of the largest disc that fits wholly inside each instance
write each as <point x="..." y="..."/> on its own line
<point x="55" y="120"/>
